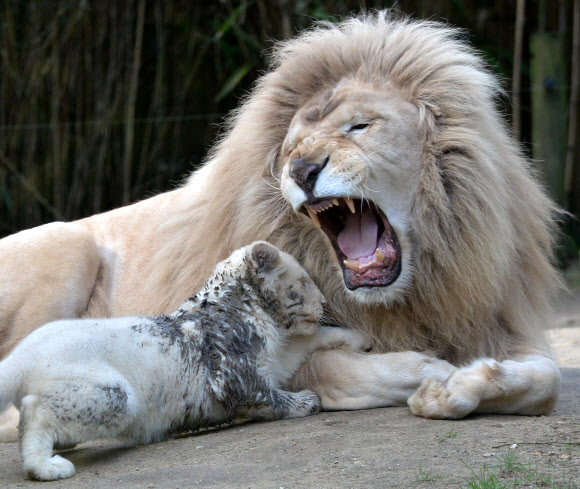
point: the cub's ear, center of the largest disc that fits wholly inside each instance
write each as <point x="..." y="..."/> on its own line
<point x="265" y="256"/>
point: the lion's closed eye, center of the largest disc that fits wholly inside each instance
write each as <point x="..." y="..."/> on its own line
<point x="358" y="128"/>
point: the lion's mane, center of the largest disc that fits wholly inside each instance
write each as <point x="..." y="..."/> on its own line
<point x="482" y="235"/>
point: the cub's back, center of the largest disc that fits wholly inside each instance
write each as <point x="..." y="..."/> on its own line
<point x="86" y="341"/>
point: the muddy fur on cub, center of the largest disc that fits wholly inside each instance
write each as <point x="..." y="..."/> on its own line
<point x="225" y="352"/>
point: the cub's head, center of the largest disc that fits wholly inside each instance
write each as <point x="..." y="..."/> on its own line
<point x="291" y="295"/>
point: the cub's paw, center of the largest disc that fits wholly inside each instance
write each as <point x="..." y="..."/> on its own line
<point x="51" y="469"/>
<point x="305" y="403"/>
<point x="435" y="400"/>
<point x="351" y="339"/>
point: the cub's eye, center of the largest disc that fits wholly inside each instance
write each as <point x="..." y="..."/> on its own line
<point x="359" y="128"/>
<point x="293" y="295"/>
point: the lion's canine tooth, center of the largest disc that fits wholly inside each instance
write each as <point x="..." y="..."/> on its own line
<point x="313" y="216"/>
<point x="350" y="204"/>
<point x="335" y="201"/>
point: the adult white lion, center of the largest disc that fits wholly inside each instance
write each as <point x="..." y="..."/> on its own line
<point x="373" y="152"/>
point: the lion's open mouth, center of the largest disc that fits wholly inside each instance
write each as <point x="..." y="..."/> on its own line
<point x="366" y="245"/>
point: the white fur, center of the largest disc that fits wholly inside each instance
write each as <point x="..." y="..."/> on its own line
<point x="140" y="378"/>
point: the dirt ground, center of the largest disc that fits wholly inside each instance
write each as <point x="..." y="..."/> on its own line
<point x="378" y="448"/>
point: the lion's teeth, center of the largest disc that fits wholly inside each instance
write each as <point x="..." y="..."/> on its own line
<point x="356" y="265"/>
<point x="313" y="216"/>
<point x="350" y="204"/>
<point x="335" y="201"/>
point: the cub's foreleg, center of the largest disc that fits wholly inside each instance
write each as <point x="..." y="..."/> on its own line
<point x="299" y="347"/>
<point x="274" y="404"/>
<point x="527" y="385"/>
<point x="331" y="337"/>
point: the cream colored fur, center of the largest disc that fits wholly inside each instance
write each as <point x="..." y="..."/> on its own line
<point x="475" y="228"/>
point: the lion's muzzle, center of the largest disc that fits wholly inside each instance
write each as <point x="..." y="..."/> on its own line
<point x="305" y="173"/>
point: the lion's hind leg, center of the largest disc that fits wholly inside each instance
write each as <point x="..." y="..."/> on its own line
<point x="527" y="385"/>
<point x="48" y="273"/>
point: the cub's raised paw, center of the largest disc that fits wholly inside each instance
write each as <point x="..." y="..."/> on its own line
<point x="51" y="469"/>
<point x="435" y="400"/>
<point x="351" y="339"/>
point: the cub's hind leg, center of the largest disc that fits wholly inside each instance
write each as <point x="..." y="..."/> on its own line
<point x="37" y="438"/>
<point x="68" y="413"/>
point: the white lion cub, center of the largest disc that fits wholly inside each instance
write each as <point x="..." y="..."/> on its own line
<point x="225" y="352"/>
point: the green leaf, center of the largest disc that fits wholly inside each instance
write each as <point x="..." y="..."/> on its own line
<point x="233" y="81"/>
<point x="6" y="197"/>
<point x="231" y="20"/>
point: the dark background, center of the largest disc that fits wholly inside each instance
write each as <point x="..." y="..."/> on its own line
<point x="106" y="102"/>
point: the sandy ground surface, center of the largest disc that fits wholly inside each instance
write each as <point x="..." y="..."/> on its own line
<point x="379" y="448"/>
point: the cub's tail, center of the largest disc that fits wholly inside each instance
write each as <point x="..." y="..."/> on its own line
<point x="10" y="386"/>
<point x="10" y="382"/>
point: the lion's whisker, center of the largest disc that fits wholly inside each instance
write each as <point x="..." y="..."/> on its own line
<point x="269" y="184"/>
<point x="369" y="189"/>
<point x="272" y="171"/>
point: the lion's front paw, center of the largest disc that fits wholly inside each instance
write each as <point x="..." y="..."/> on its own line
<point x="434" y="399"/>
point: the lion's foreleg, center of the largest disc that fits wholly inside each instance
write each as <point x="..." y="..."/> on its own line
<point x="527" y="385"/>
<point x="348" y="380"/>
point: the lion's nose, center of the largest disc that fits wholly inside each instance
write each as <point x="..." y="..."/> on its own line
<point x="305" y="173"/>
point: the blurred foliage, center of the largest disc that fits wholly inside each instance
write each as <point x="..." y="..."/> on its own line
<point x="69" y="131"/>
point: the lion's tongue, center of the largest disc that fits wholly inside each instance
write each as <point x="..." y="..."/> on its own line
<point x="359" y="236"/>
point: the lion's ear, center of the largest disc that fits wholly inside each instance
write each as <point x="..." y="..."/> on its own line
<point x="265" y="256"/>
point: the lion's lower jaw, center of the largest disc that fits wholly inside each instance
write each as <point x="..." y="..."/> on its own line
<point x="389" y="295"/>
<point x="385" y="296"/>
